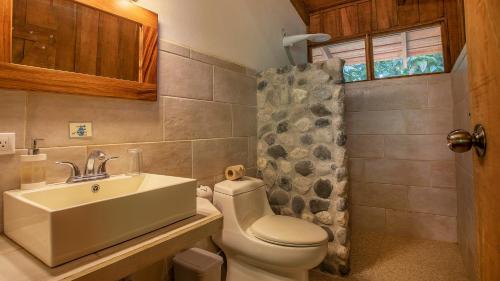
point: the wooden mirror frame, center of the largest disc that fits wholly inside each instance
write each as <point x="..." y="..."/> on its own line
<point x="23" y="77"/>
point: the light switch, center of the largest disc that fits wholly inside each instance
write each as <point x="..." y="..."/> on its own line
<point x="80" y="130"/>
<point x="7" y="143"/>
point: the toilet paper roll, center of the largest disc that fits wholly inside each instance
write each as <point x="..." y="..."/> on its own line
<point x="235" y="172"/>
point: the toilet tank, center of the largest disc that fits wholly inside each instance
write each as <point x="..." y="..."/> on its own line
<point x="242" y="201"/>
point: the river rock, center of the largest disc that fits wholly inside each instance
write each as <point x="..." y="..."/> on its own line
<point x="302" y="184"/>
<point x="277" y="151"/>
<point x="304" y="168"/>
<point x="323" y="188"/>
<point x="324" y="217"/>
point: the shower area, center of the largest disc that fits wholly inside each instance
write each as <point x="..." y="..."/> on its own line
<point x="301" y="150"/>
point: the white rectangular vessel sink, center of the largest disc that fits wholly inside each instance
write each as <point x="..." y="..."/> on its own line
<point x="62" y="222"/>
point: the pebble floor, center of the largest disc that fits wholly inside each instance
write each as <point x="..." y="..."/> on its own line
<point x="380" y="257"/>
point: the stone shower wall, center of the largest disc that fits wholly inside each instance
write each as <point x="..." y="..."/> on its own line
<point x="301" y="150"/>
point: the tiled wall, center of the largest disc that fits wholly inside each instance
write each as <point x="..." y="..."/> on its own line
<point x="463" y="164"/>
<point x="402" y="173"/>
<point x="203" y="121"/>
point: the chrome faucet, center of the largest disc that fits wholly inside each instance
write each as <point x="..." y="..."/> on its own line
<point x="90" y="171"/>
<point x="93" y="156"/>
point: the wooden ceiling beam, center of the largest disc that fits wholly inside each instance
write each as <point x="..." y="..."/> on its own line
<point x="301" y="8"/>
<point x="318" y="5"/>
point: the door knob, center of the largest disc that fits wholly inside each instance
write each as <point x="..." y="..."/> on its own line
<point x="462" y="141"/>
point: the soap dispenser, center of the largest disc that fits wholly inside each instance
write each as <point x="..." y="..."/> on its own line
<point x="33" y="167"/>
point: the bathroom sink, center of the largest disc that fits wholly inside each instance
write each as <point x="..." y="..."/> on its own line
<point x="62" y="222"/>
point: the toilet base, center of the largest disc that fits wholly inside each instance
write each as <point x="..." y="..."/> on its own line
<point x="238" y="270"/>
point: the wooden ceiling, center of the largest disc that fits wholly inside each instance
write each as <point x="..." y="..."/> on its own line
<point x="350" y="19"/>
<point x="314" y="5"/>
<point x="305" y="7"/>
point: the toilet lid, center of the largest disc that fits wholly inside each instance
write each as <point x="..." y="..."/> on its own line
<point x="288" y="231"/>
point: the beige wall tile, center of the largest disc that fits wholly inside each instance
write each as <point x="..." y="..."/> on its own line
<point x="174" y="48"/>
<point x="465" y="161"/>
<point x="443" y="174"/>
<point x="430" y="121"/>
<point x="440" y="95"/>
<point x="417" y="147"/>
<point x="252" y="152"/>
<point x="462" y="116"/>
<point x="114" y="120"/>
<point x="164" y="158"/>
<point x="219" y="178"/>
<point x="405" y="80"/>
<point x="13" y="114"/>
<point x="438" y="201"/>
<point x="207" y="182"/>
<point x="405" y="172"/>
<point x="464" y="179"/>
<point x="466" y="220"/>
<point x="369" y="146"/>
<point x="397" y="96"/>
<point x="252" y="172"/>
<point x="234" y="87"/>
<point x="354" y="98"/>
<point x="459" y="81"/>
<point x="211" y="157"/>
<point x="10" y="167"/>
<point x="367" y="219"/>
<point x="466" y="196"/>
<point x="375" y="122"/>
<point x="380" y="195"/>
<point x="419" y="225"/>
<point x="217" y="62"/>
<point x="9" y="176"/>
<point x="356" y="169"/>
<point x="59" y="173"/>
<point x="183" y="77"/>
<point x="244" y="121"/>
<point x="186" y="119"/>
<point x="462" y="120"/>
<point x="397" y="128"/>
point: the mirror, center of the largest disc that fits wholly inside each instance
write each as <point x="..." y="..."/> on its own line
<point x="111" y="45"/>
<point x="64" y="35"/>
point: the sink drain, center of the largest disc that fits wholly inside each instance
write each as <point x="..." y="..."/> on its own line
<point x="95" y="188"/>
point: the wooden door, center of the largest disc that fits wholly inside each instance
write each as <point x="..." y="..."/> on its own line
<point x="483" y="43"/>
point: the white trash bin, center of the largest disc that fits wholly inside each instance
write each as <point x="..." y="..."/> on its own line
<point x="197" y="265"/>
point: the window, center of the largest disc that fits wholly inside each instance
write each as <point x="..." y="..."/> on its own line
<point x="410" y="52"/>
<point x="354" y="54"/>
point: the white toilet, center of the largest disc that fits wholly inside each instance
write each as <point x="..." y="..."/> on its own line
<point x="262" y="246"/>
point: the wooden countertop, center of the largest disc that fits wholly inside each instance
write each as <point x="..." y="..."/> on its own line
<point x="117" y="261"/>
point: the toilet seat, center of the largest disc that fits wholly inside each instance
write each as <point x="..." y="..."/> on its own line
<point x="283" y="230"/>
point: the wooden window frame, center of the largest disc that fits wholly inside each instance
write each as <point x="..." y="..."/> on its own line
<point x="23" y="77"/>
<point x="368" y="37"/>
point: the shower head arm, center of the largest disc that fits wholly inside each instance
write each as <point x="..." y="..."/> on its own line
<point x="289" y="41"/>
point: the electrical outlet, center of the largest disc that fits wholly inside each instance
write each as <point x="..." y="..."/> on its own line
<point x="7" y="143"/>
